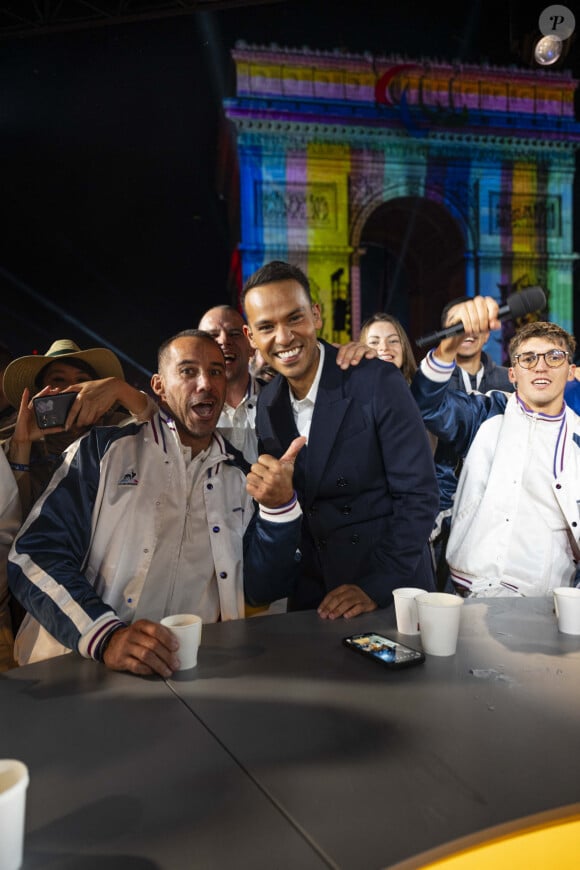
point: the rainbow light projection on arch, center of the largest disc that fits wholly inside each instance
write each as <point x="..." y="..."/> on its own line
<point x="324" y="139"/>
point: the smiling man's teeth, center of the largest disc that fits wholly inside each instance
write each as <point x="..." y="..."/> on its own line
<point x="287" y="354"/>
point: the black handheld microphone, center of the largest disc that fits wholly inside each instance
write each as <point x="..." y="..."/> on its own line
<point x="517" y="305"/>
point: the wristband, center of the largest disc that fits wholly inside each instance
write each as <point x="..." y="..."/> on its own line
<point x="19" y="466"/>
<point x="104" y="643"/>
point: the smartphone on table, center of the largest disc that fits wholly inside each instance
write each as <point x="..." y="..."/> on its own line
<point x="384" y="650"/>
<point x="52" y="411"/>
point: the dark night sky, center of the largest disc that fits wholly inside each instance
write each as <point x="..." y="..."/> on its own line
<point x="112" y="213"/>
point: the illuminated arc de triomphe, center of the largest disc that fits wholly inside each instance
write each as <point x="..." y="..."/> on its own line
<point x="398" y="184"/>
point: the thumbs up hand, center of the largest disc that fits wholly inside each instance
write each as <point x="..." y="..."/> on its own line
<point x="293" y="451"/>
<point x="270" y="479"/>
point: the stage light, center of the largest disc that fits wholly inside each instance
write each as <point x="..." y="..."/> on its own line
<point x="548" y="50"/>
<point x="556" y="24"/>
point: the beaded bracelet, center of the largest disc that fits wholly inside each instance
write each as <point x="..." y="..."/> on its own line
<point x="18" y="466"/>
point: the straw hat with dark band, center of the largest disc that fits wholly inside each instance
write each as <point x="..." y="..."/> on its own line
<point x="23" y="372"/>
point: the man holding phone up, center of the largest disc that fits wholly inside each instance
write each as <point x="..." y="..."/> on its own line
<point x="92" y="381"/>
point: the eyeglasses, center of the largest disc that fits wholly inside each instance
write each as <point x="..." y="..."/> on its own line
<point x="554" y="358"/>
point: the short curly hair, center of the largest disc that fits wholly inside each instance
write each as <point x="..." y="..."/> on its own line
<point x="543" y="329"/>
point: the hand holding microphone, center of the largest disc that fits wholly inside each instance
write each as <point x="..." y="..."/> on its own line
<point x="482" y="313"/>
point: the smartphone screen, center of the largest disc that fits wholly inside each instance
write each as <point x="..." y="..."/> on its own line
<point x="383" y="649"/>
<point x="52" y="411"/>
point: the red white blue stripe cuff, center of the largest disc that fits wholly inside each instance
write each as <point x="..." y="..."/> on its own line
<point x="91" y="646"/>
<point x="435" y="369"/>
<point x="283" y="514"/>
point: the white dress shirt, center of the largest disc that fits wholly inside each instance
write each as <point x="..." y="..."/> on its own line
<point x="238" y="425"/>
<point x="303" y="409"/>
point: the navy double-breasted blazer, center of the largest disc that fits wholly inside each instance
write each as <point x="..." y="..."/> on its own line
<point x="366" y="481"/>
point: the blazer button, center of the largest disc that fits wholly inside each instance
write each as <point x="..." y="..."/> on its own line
<point x="355" y="539"/>
<point x="312" y="511"/>
<point x="321" y="543"/>
<point x="346" y="510"/>
<point x="341" y="481"/>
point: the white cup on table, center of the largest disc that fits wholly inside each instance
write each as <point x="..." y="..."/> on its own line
<point x="439" y="618"/>
<point x="13" y="784"/>
<point x="406" y="609"/>
<point x="567" y="607"/>
<point x="186" y="627"/>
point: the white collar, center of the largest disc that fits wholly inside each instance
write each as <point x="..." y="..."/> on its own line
<point x="310" y="397"/>
<point x="467" y="378"/>
<point x="252" y="392"/>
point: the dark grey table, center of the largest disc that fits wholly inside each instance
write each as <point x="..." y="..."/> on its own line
<point x="285" y="749"/>
<point x="380" y="765"/>
<point x="124" y="777"/>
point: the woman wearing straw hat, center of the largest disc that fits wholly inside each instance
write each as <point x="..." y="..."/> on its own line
<point x="95" y="375"/>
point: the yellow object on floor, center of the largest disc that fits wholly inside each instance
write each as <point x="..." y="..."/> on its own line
<point x="547" y="840"/>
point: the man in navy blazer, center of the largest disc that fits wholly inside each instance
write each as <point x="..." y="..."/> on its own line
<point x="365" y="478"/>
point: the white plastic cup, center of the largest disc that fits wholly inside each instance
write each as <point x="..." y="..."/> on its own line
<point x="567" y="607"/>
<point x="187" y="629"/>
<point x="13" y="784"/>
<point x="406" y="609"/>
<point x="439" y="617"/>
